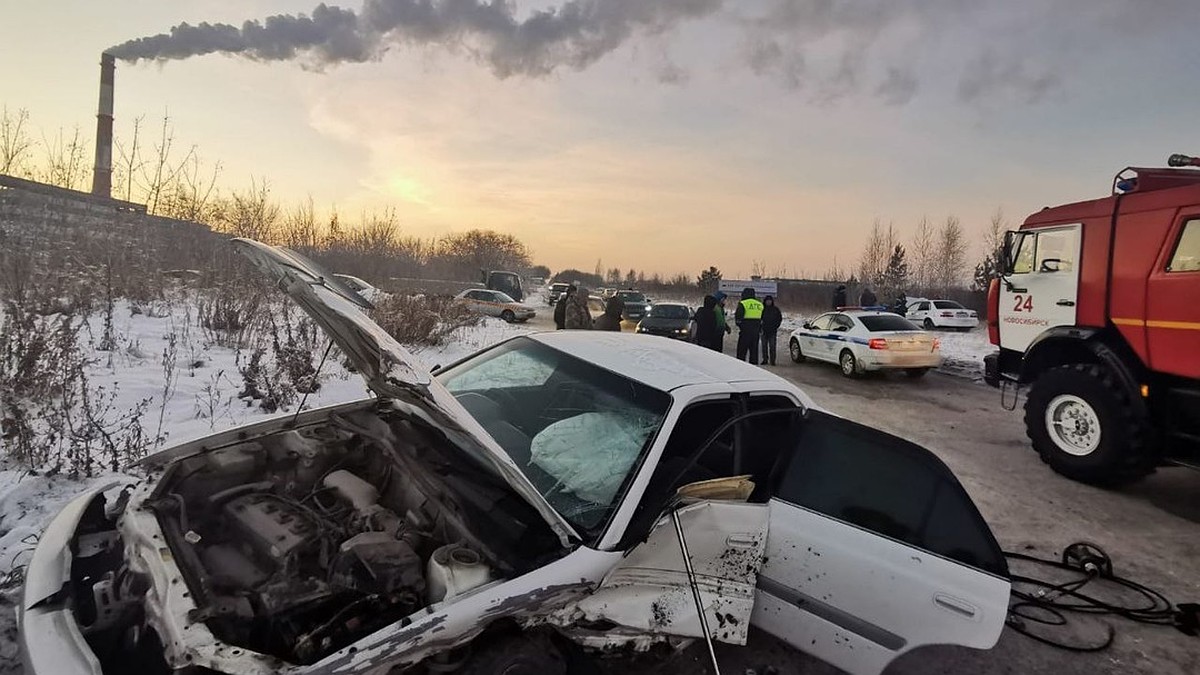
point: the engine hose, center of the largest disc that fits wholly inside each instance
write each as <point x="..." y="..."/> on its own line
<point x="1051" y="603"/>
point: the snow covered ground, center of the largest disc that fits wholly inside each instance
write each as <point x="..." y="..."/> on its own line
<point x="187" y="385"/>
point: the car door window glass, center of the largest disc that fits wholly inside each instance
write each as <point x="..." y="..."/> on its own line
<point x="924" y="307"/>
<point x="821" y="322"/>
<point x="842" y="323"/>
<point x="1056" y="250"/>
<point x="1023" y="257"/>
<point x="887" y="486"/>
<point x="1186" y="257"/>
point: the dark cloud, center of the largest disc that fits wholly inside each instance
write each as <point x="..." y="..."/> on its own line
<point x="828" y="48"/>
<point x="898" y="87"/>
<point x="989" y="75"/>
<point x="572" y="35"/>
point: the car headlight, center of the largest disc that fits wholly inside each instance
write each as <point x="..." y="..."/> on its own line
<point x="647" y="308"/>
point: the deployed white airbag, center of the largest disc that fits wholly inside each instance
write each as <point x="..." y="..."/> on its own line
<point x="590" y="454"/>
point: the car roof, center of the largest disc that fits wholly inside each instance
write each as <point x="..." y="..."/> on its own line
<point x="673" y="304"/>
<point x="861" y="312"/>
<point x="655" y="361"/>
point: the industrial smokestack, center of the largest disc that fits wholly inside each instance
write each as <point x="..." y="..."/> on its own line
<point x="102" y="175"/>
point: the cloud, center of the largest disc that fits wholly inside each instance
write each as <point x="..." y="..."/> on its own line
<point x="989" y="75"/>
<point x="898" y="87"/>
<point x="573" y="35"/>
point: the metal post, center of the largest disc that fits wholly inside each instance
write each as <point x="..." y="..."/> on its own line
<point x="691" y="574"/>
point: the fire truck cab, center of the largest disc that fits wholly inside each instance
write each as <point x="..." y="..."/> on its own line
<point x="1097" y="314"/>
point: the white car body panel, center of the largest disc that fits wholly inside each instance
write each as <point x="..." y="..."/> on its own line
<point x="921" y="309"/>
<point x="649" y="590"/>
<point x="906" y="349"/>
<point x="859" y="600"/>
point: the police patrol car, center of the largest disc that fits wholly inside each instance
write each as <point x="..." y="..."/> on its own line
<point x="861" y="340"/>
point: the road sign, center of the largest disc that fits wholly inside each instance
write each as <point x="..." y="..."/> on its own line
<point x="734" y="287"/>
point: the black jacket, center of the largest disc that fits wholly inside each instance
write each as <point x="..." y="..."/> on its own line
<point x="611" y="320"/>
<point x="839" y="297"/>
<point x="707" y="333"/>
<point x="560" y="312"/>
<point x="867" y="298"/>
<point x="772" y="318"/>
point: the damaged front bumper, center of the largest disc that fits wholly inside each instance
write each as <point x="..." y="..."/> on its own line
<point x="49" y="635"/>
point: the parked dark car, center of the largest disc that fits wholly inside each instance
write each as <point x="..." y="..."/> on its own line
<point x="557" y="290"/>
<point x="669" y="319"/>
<point x="636" y="305"/>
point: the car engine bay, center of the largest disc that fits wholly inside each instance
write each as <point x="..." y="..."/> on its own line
<point x="297" y="543"/>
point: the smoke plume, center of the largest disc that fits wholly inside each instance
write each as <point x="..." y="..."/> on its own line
<point x="573" y="35"/>
<point x="829" y="48"/>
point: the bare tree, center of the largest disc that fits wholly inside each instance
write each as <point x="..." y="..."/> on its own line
<point x="161" y="173"/>
<point x="15" y="145"/>
<point x="923" y="251"/>
<point x="758" y="268"/>
<point x="300" y="227"/>
<point x="834" y="272"/>
<point x="951" y="255"/>
<point x="876" y="253"/>
<point x="252" y="214"/>
<point x="130" y="161"/>
<point x="65" y="166"/>
<point x="993" y="240"/>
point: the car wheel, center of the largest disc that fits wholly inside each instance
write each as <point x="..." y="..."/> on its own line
<point x="796" y="352"/>
<point x="929" y="324"/>
<point x="508" y="316"/>
<point x="848" y="363"/>
<point x="916" y="373"/>
<point x="1086" y="427"/>
<point x="516" y="655"/>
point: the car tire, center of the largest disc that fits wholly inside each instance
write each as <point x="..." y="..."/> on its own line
<point x="516" y="655"/>
<point x="796" y="352"/>
<point x="917" y="373"/>
<point x="1106" y="442"/>
<point x="508" y="316"/>
<point x="848" y="363"/>
<point x="928" y="324"/>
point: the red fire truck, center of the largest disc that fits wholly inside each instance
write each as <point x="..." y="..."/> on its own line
<point x="1097" y="315"/>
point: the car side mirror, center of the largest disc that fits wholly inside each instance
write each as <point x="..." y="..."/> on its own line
<point x="807" y="326"/>
<point x="1007" y="251"/>
<point x="435" y="368"/>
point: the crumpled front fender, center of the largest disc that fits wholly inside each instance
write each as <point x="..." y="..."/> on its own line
<point x="50" y="639"/>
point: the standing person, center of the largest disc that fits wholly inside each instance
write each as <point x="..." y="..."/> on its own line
<point x="867" y="298"/>
<point x="839" y="297"/>
<point x="560" y="308"/>
<point x="748" y="318"/>
<point x="611" y="319"/>
<point x="722" y="322"/>
<point x="901" y="305"/>
<point x="576" y="315"/>
<point x="772" y="318"/>
<point x="707" y="333"/>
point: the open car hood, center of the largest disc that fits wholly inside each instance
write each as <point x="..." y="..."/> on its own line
<point x="390" y="370"/>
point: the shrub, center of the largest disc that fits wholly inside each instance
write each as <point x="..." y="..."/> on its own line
<point x="421" y="320"/>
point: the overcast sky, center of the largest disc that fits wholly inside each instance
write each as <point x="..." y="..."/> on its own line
<point x="666" y="136"/>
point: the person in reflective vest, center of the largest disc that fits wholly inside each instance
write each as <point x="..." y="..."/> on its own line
<point x="749" y="322"/>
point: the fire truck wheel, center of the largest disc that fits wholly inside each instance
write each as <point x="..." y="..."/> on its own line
<point x="1085" y="427"/>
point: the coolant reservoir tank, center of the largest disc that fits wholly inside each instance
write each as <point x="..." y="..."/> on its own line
<point x="453" y="570"/>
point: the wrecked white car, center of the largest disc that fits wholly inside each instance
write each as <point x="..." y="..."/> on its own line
<point x="529" y="500"/>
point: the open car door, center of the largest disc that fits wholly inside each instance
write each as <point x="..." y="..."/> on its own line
<point x="875" y="549"/>
<point x="650" y="591"/>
